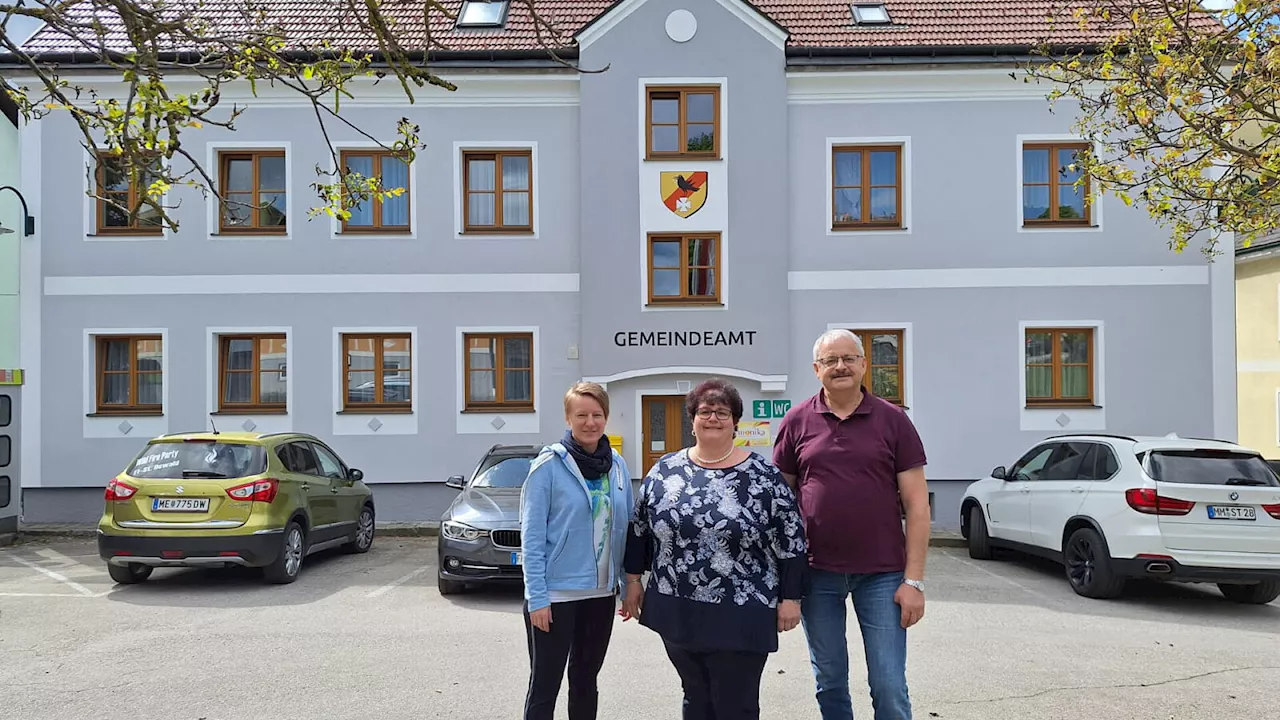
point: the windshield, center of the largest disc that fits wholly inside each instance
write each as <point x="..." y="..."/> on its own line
<point x="1211" y="467"/>
<point x="174" y="460"/>
<point x="508" y="472"/>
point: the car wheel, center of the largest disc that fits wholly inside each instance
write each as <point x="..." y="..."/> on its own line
<point x="449" y="587"/>
<point x="129" y="574"/>
<point x="1260" y="594"/>
<point x="364" y="532"/>
<point x="284" y="569"/>
<point x="979" y="540"/>
<point x="1088" y="566"/>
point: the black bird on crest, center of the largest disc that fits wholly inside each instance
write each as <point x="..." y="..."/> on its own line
<point x="686" y="185"/>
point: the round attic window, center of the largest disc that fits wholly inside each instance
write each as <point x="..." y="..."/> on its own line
<point x="681" y="25"/>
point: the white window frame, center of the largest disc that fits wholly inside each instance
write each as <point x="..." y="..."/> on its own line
<point x="459" y="225"/>
<point x="98" y="427"/>
<point x="89" y="183"/>
<point x="908" y="355"/>
<point x="213" y="150"/>
<point x="1095" y="209"/>
<point x="902" y="140"/>
<point x="362" y="423"/>
<point x="264" y="423"/>
<point x="1045" y="419"/>
<point x="481" y="423"/>
<point x="335" y="223"/>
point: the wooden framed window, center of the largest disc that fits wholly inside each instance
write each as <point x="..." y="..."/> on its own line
<point x="1049" y="193"/>
<point x="255" y="186"/>
<point x="682" y="122"/>
<point x="1059" y="366"/>
<point x="130" y="372"/>
<point x="684" y="269"/>
<point x="388" y="215"/>
<point x="118" y="194"/>
<point x="378" y="373"/>
<point x="252" y="373"/>
<point x="866" y="187"/>
<point x="497" y="191"/>
<point x="498" y="371"/>
<point x="885" y="350"/>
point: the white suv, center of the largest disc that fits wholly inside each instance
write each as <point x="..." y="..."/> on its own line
<point x="1113" y="507"/>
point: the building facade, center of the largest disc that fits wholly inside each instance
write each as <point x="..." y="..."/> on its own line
<point x="1258" y="344"/>
<point x="735" y="180"/>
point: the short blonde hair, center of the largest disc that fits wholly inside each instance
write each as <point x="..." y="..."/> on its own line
<point x="595" y="391"/>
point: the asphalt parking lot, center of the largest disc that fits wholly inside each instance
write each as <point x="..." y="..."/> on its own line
<point x="368" y="636"/>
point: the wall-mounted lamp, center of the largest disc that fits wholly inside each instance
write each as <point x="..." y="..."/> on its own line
<point x="29" y="223"/>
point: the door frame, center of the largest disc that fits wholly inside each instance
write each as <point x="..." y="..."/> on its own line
<point x="641" y="470"/>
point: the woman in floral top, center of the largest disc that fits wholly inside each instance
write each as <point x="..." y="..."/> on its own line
<point x="719" y="530"/>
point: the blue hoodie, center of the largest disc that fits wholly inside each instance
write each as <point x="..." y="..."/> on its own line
<point x="556" y="527"/>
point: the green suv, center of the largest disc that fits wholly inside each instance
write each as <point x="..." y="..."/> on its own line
<point x="217" y="499"/>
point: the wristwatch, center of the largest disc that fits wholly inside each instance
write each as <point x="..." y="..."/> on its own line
<point x="917" y="584"/>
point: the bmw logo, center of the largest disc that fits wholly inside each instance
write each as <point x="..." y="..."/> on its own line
<point x="1234" y="495"/>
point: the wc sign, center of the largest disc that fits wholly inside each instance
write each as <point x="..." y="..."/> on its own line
<point x="766" y="409"/>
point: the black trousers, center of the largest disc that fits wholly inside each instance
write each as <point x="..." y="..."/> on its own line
<point x="722" y="685"/>
<point x="580" y="632"/>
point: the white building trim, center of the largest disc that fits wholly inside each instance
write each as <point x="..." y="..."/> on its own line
<point x="838" y="87"/>
<point x="292" y="214"/>
<point x="334" y="284"/>
<point x="1223" y="336"/>
<point x="458" y="190"/>
<point x="375" y="423"/>
<point x="905" y="211"/>
<point x="123" y="426"/>
<point x="1095" y="207"/>
<point x="1047" y="419"/>
<point x="269" y="423"/>
<point x="335" y="223"/>
<point x="753" y="19"/>
<point x="30" y="335"/>
<point x="907" y="351"/>
<point x="513" y="423"/>
<point x="933" y="278"/>
<point x="768" y="383"/>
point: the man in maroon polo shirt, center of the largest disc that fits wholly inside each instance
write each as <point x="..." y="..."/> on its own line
<point x="857" y="462"/>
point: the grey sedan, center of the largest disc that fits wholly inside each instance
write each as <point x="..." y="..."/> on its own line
<point x="480" y="532"/>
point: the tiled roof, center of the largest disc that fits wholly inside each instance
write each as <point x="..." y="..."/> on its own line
<point x="811" y="24"/>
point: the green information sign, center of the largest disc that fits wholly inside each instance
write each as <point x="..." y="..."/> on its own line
<point x="765" y="409"/>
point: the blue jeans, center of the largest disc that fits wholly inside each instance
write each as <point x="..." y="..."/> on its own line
<point x="884" y="642"/>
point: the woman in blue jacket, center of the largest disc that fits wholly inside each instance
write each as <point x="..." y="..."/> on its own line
<point x="574" y="510"/>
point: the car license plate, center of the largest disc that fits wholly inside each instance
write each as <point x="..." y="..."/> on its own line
<point x="1232" y="512"/>
<point x="516" y="558"/>
<point x="180" y="504"/>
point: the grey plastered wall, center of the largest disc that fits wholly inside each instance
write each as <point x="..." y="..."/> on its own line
<point x="746" y="192"/>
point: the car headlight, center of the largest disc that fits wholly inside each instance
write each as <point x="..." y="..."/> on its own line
<point x="458" y="531"/>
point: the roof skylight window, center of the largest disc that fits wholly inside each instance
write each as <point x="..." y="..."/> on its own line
<point x="483" y="13"/>
<point x="870" y="14"/>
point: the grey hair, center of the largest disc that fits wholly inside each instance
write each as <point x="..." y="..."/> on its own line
<point x="833" y="335"/>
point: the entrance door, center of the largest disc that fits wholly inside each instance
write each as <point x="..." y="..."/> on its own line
<point x="664" y="427"/>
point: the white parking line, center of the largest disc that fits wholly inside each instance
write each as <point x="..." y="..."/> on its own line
<point x="992" y="573"/>
<point x="396" y="583"/>
<point x="56" y="576"/>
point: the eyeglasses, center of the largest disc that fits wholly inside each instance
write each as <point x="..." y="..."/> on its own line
<point x="720" y="414"/>
<point x="833" y="361"/>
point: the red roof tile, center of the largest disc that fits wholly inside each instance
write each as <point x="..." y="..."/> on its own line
<point x="811" y="23"/>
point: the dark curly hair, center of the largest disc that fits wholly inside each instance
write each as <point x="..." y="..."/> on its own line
<point x="714" y="392"/>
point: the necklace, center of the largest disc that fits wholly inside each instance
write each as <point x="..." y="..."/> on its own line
<point x="722" y="458"/>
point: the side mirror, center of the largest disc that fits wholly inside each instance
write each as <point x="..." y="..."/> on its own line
<point x="455" y="481"/>
<point x="1000" y="473"/>
<point x="356" y="474"/>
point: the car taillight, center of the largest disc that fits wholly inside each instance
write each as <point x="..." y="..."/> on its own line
<point x="1272" y="510"/>
<point x="1150" y="502"/>
<point x="117" y="490"/>
<point x="257" y="491"/>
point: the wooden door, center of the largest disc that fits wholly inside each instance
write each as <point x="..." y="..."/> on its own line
<point x="664" y="427"/>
